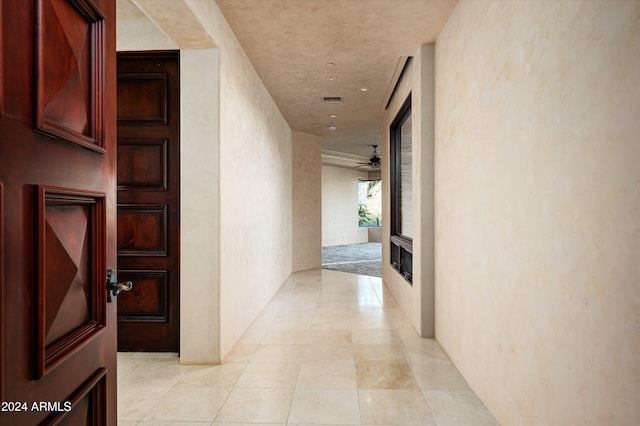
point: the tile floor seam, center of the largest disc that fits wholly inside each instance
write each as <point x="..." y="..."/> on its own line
<point x="426" y="400"/>
<point x="154" y="406"/>
<point x="222" y="405"/>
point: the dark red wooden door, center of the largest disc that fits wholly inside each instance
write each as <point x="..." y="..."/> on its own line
<point x="148" y="200"/>
<point x="57" y="211"/>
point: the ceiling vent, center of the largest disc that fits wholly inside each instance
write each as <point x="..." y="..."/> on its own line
<point x="332" y="100"/>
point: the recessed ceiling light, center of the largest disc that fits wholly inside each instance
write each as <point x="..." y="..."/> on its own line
<point x="330" y="64"/>
<point x="332" y="127"/>
<point x="332" y="115"/>
<point x="332" y="77"/>
<point x="365" y="89"/>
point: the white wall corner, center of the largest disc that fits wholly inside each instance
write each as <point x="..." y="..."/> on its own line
<point x="424" y="91"/>
<point x="200" y="207"/>
<point x="307" y="201"/>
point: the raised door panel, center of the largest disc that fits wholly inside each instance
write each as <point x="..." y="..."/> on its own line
<point x="148" y="300"/>
<point x="84" y="407"/>
<point x="142" y="230"/>
<point x="151" y="94"/>
<point x="69" y="71"/>
<point x="142" y="164"/>
<point x="71" y="258"/>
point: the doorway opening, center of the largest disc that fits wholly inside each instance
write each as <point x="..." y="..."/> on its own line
<point x="352" y="219"/>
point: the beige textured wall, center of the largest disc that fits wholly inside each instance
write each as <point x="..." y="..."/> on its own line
<point x="142" y="35"/>
<point x="416" y="300"/>
<point x="255" y="185"/>
<point x="200" y="206"/>
<point x="340" y="206"/>
<point x="538" y="208"/>
<point x="307" y="201"/>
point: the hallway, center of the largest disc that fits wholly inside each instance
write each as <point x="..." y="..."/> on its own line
<point x="330" y="348"/>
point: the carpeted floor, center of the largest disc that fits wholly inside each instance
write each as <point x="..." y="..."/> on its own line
<point x="363" y="258"/>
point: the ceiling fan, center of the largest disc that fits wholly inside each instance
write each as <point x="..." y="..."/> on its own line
<point x="374" y="161"/>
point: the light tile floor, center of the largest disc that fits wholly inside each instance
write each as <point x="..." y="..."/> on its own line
<point x="331" y="348"/>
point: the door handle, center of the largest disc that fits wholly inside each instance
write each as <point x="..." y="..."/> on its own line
<point x="115" y="288"/>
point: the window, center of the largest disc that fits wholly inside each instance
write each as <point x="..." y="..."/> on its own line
<point x="369" y="203"/>
<point x="402" y="192"/>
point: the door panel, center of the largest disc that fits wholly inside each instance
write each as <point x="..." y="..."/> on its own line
<point x="69" y="71"/>
<point x="142" y="230"/>
<point x="149" y="301"/>
<point x="57" y="211"/>
<point x="87" y="403"/>
<point x="71" y="310"/>
<point x="150" y="92"/>
<point x="148" y="200"/>
<point x="142" y="164"/>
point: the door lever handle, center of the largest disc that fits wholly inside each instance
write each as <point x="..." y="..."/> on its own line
<point x="115" y="288"/>
<point x="123" y="286"/>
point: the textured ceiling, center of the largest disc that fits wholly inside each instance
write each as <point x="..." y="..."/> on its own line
<point x="290" y="42"/>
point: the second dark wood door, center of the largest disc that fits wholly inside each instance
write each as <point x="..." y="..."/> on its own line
<point x="148" y="200"/>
